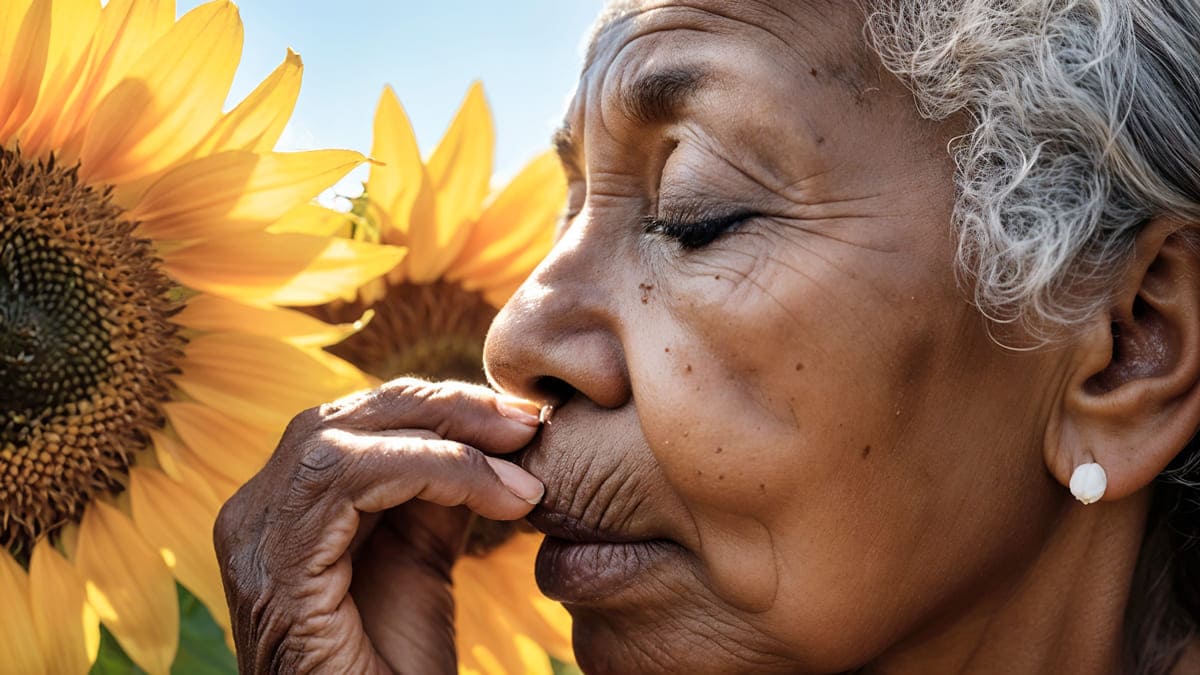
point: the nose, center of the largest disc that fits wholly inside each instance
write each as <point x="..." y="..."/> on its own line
<point x="560" y="333"/>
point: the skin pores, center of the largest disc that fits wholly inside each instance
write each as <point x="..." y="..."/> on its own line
<point x="804" y="415"/>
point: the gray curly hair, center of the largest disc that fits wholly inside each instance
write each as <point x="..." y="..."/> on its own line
<point x="1084" y="123"/>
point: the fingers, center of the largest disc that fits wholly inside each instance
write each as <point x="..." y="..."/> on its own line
<point x="466" y="413"/>
<point x="375" y="472"/>
<point x="285" y="541"/>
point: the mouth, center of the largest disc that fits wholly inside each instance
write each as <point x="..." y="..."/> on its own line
<point x="579" y="563"/>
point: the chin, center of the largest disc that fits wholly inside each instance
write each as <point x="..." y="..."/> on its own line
<point x="673" y="638"/>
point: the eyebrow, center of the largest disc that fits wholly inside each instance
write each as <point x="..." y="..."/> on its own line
<point x="658" y="96"/>
<point x="653" y="98"/>
<point x="568" y="153"/>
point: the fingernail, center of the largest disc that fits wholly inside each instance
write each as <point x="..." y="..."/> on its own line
<point x="518" y="480"/>
<point x="518" y="409"/>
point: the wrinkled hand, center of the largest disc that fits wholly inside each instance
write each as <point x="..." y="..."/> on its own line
<point x="336" y="556"/>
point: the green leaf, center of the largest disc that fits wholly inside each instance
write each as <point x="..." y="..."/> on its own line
<point x="111" y="659"/>
<point x="561" y="668"/>
<point x="202" y="649"/>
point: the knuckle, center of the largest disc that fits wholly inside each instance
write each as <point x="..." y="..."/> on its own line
<point x="462" y="458"/>
<point x="303" y="425"/>
<point x="321" y="460"/>
<point x="407" y="389"/>
<point x="227" y="526"/>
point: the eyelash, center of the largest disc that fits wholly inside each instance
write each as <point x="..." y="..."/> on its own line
<point x="696" y="234"/>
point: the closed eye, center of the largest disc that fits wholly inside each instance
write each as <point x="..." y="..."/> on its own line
<point x="695" y="234"/>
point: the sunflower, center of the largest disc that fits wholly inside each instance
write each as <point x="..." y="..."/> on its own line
<point x="468" y="251"/>
<point x="148" y="243"/>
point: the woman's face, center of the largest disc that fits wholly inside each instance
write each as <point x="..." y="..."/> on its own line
<point x="783" y="439"/>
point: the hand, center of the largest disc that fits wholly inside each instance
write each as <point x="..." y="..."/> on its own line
<point x="337" y="555"/>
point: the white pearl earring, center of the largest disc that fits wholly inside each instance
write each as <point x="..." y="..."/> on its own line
<point x="1089" y="482"/>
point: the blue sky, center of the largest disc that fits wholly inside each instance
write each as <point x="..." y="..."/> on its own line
<point x="526" y="52"/>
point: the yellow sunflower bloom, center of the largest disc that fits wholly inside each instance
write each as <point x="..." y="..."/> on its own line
<point x="468" y="251"/>
<point x="146" y="362"/>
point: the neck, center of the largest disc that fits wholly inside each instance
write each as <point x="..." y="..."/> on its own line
<point x="1063" y="612"/>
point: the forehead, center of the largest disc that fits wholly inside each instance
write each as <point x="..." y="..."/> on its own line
<point x="750" y="60"/>
<point x="822" y="34"/>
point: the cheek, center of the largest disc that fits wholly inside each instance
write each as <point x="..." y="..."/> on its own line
<point x="799" y="410"/>
<point x="734" y="416"/>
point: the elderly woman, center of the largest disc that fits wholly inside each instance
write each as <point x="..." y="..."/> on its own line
<point x="873" y="342"/>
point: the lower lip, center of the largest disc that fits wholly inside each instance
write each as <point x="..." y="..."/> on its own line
<point x="579" y="572"/>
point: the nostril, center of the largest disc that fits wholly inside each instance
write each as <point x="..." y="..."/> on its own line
<point x="554" y="390"/>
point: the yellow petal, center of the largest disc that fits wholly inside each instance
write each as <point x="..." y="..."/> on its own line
<point x="25" y="35"/>
<point x="236" y="191"/>
<point x="179" y="526"/>
<point x="67" y="627"/>
<point x="18" y="639"/>
<point x="129" y="587"/>
<point x="125" y="29"/>
<point x="238" y="448"/>
<point x="285" y="269"/>
<point x="313" y="219"/>
<point x="179" y="467"/>
<point x="398" y="183"/>
<point x="209" y="483"/>
<point x="504" y="579"/>
<point x="258" y="380"/>
<point x="72" y="24"/>
<point x="168" y="101"/>
<point x="460" y="170"/>
<point x="347" y="371"/>
<point x="490" y="643"/>
<point x="371" y="292"/>
<point x="499" y="294"/>
<point x="517" y="229"/>
<point x="257" y="122"/>
<point x="211" y="314"/>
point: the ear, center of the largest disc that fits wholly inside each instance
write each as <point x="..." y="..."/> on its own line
<point x="1132" y="400"/>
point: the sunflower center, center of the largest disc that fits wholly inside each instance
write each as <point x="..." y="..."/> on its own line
<point x="85" y="346"/>
<point x="52" y="343"/>
<point x="433" y="331"/>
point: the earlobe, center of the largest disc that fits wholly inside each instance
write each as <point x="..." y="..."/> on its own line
<point x="1132" y="402"/>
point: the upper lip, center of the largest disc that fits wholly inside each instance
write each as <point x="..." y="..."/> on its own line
<point x="564" y="526"/>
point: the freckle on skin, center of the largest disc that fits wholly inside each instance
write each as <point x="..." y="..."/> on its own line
<point x="799" y="367"/>
<point x="866" y="451"/>
<point x="667" y="350"/>
<point x="721" y="476"/>
<point x="688" y="368"/>
<point x="720" y="450"/>
<point x="813" y="72"/>
<point x="645" y="289"/>
<point x="762" y="487"/>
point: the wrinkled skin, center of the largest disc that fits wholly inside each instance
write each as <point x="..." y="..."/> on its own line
<point x="336" y="557"/>
<point x="835" y="464"/>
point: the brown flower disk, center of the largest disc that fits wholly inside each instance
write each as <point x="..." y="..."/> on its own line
<point x="86" y="346"/>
